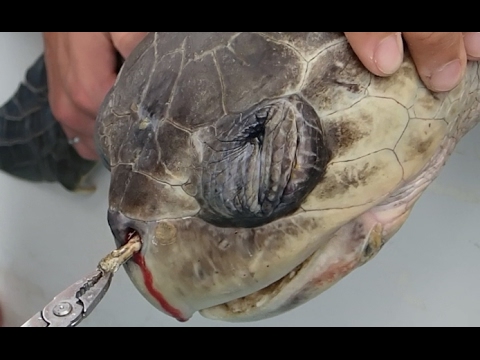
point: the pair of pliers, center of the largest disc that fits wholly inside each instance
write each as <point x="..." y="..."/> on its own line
<point x="75" y="303"/>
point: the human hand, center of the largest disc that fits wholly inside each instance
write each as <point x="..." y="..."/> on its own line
<point x="81" y="69"/>
<point x="440" y="57"/>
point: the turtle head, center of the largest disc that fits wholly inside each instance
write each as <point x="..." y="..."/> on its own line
<point x="209" y="203"/>
<point x="253" y="166"/>
<point x="226" y="172"/>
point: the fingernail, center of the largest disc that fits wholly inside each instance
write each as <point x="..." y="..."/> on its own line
<point x="388" y="55"/>
<point x="472" y="44"/>
<point x="447" y="77"/>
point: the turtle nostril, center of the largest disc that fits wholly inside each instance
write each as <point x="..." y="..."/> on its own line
<point x="119" y="225"/>
<point x="130" y="234"/>
<point x="122" y="227"/>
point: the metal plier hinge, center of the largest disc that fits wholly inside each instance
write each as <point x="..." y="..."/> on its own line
<point x="73" y="304"/>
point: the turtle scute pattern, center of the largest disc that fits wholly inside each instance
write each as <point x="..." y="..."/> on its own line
<point x="194" y="115"/>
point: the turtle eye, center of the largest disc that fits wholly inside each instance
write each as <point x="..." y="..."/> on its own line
<point x="256" y="129"/>
<point x="259" y="165"/>
<point x="262" y="114"/>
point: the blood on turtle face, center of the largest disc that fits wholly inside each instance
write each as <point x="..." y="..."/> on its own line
<point x="261" y="168"/>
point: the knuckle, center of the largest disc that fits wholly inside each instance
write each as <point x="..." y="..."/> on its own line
<point x="426" y="37"/>
<point x="120" y="39"/>
<point x="61" y="110"/>
<point x="437" y="39"/>
<point x="126" y="41"/>
<point x="80" y="96"/>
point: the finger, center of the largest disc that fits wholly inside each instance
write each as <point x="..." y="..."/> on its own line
<point x="380" y="52"/>
<point x="92" y="70"/>
<point x="75" y="123"/>
<point x="85" y="150"/>
<point x="472" y="45"/>
<point x="85" y="146"/>
<point x="69" y="115"/>
<point x="125" y="42"/>
<point x="79" y="122"/>
<point x="440" y="58"/>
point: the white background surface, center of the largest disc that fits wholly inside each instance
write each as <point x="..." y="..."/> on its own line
<point x="427" y="275"/>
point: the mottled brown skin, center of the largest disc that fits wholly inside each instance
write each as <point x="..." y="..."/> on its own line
<point x="238" y="156"/>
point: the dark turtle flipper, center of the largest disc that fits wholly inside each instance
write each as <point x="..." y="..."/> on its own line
<point x="33" y="145"/>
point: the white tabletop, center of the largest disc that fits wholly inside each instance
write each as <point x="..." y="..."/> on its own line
<point x="427" y="275"/>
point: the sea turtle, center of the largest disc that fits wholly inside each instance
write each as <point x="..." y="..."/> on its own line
<point x="261" y="168"/>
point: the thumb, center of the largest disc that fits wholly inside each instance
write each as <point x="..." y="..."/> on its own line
<point x="125" y="42"/>
<point x="380" y="52"/>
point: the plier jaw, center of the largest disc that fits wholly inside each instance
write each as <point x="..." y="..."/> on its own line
<point x="75" y="303"/>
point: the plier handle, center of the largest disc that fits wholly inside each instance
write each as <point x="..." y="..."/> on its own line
<point x="76" y="302"/>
